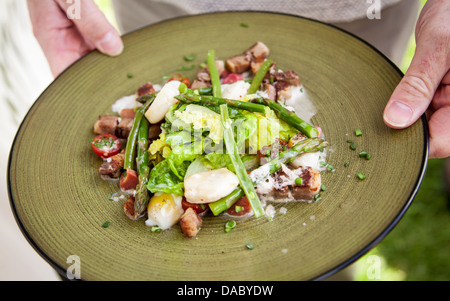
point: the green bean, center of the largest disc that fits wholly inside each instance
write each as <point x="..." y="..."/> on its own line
<point x="259" y="76"/>
<point x="232" y="150"/>
<point x="214" y="74"/>
<point x="225" y="203"/>
<point x="130" y="150"/>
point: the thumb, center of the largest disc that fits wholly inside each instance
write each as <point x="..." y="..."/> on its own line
<point x="416" y="90"/>
<point x="95" y="28"/>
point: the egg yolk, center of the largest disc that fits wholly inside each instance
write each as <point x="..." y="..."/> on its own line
<point x="164" y="211"/>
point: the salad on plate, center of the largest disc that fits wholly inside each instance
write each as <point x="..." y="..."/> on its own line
<point x="235" y="139"/>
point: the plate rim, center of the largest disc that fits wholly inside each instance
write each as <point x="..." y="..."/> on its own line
<point x="63" y="272"/>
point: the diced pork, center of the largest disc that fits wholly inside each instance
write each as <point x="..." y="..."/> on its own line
<point x="190" y="223"/>
<point x="283" y="83"/>
<point x="124" y="127"/>
<point x="281" y="186"/>
<point x="239" y="63"/>
<point x="128" y="113"/>
<point x="129" y="180"/>
<point x="271" y="91"/>
<point x="259" y="51"/>
<point x="128" y="207"/>
<point x="197" y="84"/>
<point x="146" y="89"/>
<point x="289" y="77"/>
<point x="111" y="167"/>
<point x="311" y="183"/>
<point x="252" y="59"/>
<point x="154" y="131"/>
<point x="106" y="125"/>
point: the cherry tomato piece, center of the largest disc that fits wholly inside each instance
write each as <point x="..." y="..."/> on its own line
<point x="198" y="208"/>
<point x="182" y="79"/>
<point x="106" y="145"/>
<point x="231" y="78"/>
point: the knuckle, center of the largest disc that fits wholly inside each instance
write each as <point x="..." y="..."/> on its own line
<point x="418" y="85"/>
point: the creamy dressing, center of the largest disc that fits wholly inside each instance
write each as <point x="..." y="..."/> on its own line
<point x="301" y="103"/>
<point x="237" y="90"/>
<point x="126" y="102"/>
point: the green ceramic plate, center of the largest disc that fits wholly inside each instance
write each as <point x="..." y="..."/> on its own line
<point x="61" y="203"/>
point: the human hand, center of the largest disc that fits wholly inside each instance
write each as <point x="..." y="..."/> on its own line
<point x="64" y="40"/>
<point x="425" y="88"/>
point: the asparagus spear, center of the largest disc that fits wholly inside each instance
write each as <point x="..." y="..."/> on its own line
<point x="257" y="105"/>
<point x="211" y="100"/>
<point x="261" y="173"/>
<point x="289" y="117"/>
<point x="142" y="196"/>
<point x="130" y="150"/>
<point x="259" y="76"/>
<point x="214" y="74"/>
<point x="232" y="150"/>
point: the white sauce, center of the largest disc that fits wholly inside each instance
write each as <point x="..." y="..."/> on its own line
<point x="126" y="102"/>
<point x="237" y="90"/>
<point x="301" y="103"/>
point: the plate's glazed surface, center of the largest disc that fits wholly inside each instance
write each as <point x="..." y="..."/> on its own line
<point x="61" y="203"/>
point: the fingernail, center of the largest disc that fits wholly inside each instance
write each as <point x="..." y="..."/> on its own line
<point x="398" y="114"/>
<point x="111" y="44"/>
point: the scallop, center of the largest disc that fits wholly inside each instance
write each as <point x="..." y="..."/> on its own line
<point x="209" y="186"/>
<point x="163" y="101"/>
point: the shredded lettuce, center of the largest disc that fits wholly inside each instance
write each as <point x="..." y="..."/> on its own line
<point x="168" y="175"/>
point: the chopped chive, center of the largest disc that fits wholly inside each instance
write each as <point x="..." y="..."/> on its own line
<point x="317" y="197"/>
<point x="353" y="146"/>
<point x="323" y="188"/>
<point x="347" y="164"/>
<point x="327" y="165"/>
<point x="250" y="246"/>
<point x="358" y="132"/>
<point x="361" y="176"/>
<point x="186" y="68"/>
<point x="156" y="229"/>
<point x="230" y="225"/>
<point x="190" y="58"/>
<point x="130" y="75"/>
<point x="349" y="141"/>
<point x="298" y="181"/>
<point x="238" y="208"/>
<point x="106" y="224"/>
<point x="202" y="65"/>
<point x="111" y="196"/>
<point x="244" y="25"/>
<point x="363" y="154"/>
